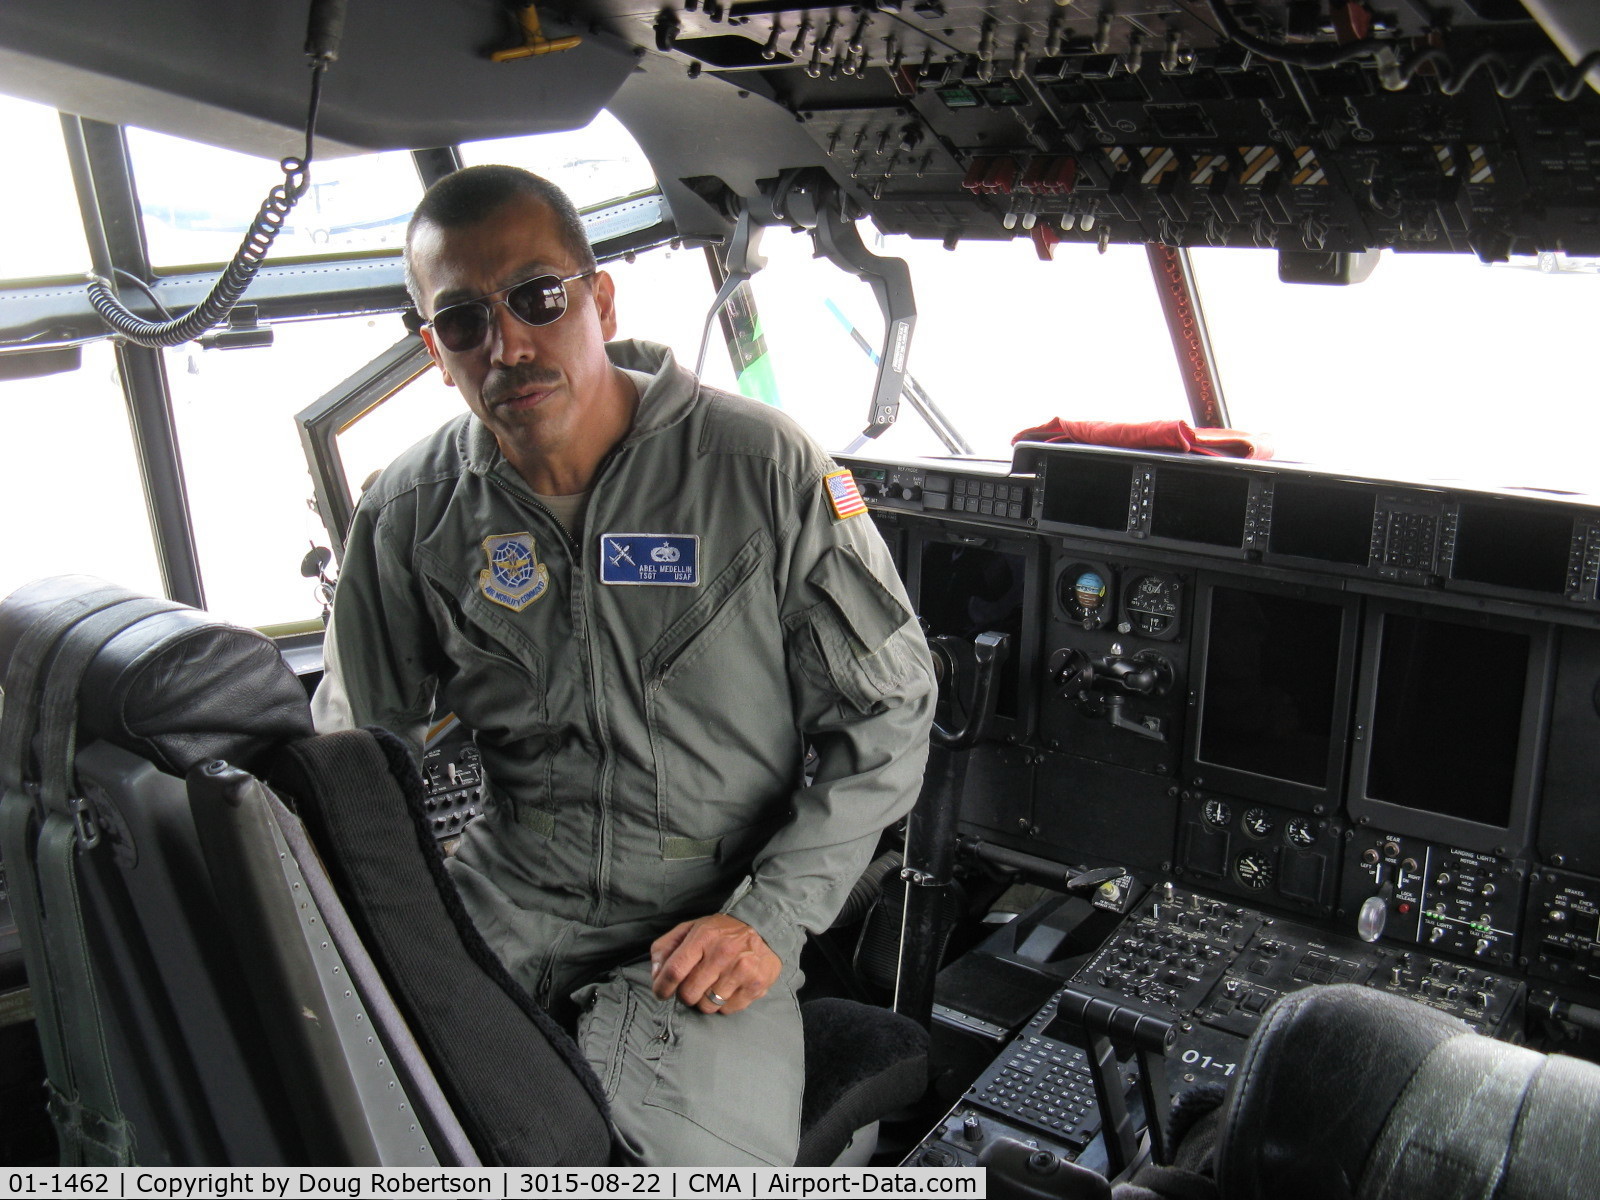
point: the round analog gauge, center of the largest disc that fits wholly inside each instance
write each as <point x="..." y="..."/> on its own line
<point x="1217" y="812"/>
<point x="1258" y="823"/>
<point x="1300" y="831"/>
<point x="1083" y="592"/>
<point x="1153" y="605"/>
<point x="1254" y="870"/>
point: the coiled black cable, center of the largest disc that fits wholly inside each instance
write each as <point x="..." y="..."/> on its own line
<point x="236" y="277"/>
<point x="1566" y="82"/>
<point x="150" y="292"/>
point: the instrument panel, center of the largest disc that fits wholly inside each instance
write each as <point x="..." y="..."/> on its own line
<point x="1361" y="706"/>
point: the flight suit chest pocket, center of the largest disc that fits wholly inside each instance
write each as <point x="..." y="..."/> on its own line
<point x="714" y="695"/>
<point x="494" y="674"/>
<point x="718" y="606"/>
<point x="857" y="627"/>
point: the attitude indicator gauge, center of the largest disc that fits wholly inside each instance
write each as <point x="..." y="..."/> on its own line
<point x="1084" y="590"/>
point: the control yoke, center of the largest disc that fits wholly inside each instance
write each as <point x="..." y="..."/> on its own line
<point x="989" y="651"/>
<point x="931" y="828"/>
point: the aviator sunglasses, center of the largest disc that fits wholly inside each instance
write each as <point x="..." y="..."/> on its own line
<point x="537" y="301"/>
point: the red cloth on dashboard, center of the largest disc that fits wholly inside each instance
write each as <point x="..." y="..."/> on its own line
<point x="1150" y="435"/>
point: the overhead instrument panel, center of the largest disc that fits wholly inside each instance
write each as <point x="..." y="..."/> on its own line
<point x="1299" y="125"/>
<point x="1312" y="126"/>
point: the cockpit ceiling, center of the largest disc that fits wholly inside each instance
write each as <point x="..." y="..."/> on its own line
<point x="410" y="73"/>
<point x="1448" y="127"/>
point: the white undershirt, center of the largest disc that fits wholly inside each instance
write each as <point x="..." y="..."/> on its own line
<point x="569" y="510"/>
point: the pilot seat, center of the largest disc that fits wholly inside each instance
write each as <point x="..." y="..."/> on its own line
<point x="242" y="944"/>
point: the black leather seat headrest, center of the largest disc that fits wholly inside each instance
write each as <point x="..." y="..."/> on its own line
<point x="1349" y="1093"/>
<point x="179" y="688"/>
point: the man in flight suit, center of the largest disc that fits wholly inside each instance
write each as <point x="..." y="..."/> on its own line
<point x="645" y="598"/>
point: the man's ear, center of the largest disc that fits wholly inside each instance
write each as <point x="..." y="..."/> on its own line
<point x="605" y="302"/>
<point x="426" y="333"/>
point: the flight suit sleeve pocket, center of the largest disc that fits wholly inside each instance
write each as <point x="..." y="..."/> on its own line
<point x="859" y="629"/>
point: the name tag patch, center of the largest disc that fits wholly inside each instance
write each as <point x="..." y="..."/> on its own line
<point x="663" y="559"/>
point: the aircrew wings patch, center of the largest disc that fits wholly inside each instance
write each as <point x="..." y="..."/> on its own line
<point x="840" y="486"/>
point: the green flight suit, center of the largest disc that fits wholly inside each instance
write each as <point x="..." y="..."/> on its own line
<point x="644" y="728"/>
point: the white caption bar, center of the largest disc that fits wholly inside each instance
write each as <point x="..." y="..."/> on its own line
<point x="586" y="1183"/>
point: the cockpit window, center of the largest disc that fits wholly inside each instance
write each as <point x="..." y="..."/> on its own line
<point x="197" y="201"/>
<point x="38" y="209"/>
<point x="1436" y="366"/>
<point x="1003" y="340"/>
<point x="593" y="165"/>
<point x="71" y="491"/>
<point x="243" y="463"/>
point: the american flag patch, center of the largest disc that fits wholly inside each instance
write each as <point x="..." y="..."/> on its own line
<point x="842" y="494"/>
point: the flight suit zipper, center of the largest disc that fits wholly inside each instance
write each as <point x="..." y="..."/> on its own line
<point x="548" y="973"/>
<point x="581" y="593"/>
<point x="524" y="497"/>
<point x="600" y="879"/>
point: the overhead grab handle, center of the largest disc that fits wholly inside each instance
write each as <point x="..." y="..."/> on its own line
<point x="741" y="260"/>
<point x="808" y="198"/>
<point x="811" y="199"/>
<point x="839" y="241"/>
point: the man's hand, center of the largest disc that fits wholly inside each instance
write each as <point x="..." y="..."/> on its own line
<point x="715" y="964"/>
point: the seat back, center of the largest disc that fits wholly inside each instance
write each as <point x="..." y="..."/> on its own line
<point x="111" y="894"/>
<point x="204" y="995"/>
<point x="515" y="1080"/>
<point x="1346" y="1093"/>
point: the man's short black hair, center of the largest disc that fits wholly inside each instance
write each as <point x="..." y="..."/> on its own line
<point x="467" y="196"/>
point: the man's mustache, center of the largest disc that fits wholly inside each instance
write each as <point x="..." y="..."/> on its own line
<point x="515" y="380"/>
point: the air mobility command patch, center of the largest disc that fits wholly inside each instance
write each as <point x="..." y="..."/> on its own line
<point x="842" y="494"/>
<point x="515" y="577"/>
